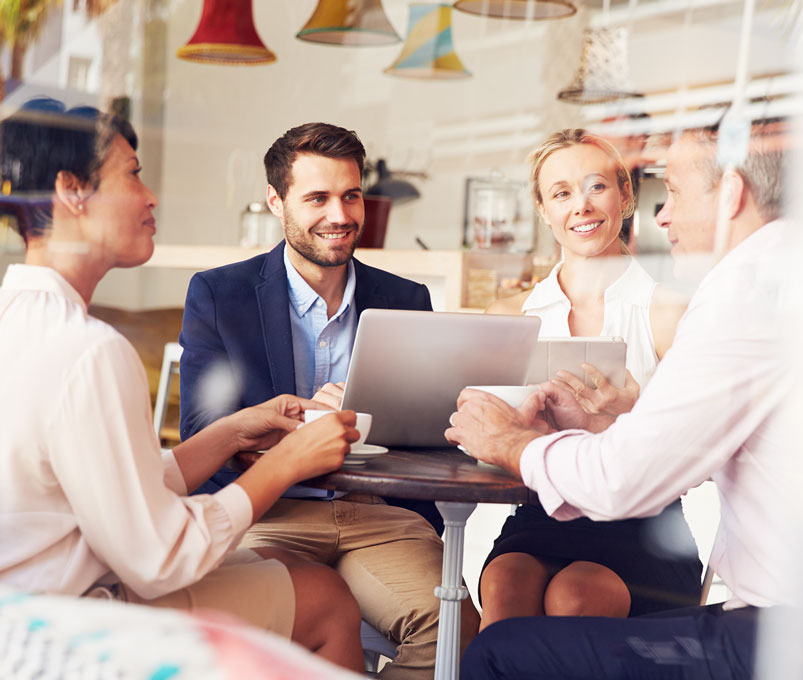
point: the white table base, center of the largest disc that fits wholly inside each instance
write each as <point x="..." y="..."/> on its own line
<point x="451" y="591"/>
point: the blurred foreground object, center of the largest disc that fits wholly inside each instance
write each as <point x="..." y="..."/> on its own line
<point x="60" y="636"/>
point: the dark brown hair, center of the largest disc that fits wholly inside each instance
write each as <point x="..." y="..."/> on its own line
<point x="322" y="139"/>
<point x="40" y="140"/>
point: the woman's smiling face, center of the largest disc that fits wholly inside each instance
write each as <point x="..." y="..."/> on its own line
<point x="582" y="202"/>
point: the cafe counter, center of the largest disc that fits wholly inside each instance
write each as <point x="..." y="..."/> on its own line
<point x="458" y="280"/>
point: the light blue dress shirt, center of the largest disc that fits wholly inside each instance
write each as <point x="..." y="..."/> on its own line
<point x="321" y="346"/>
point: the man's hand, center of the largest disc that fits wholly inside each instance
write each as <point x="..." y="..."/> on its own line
<point x="603" y="398"/>
<point x="330" y="396"/>
<point x="493" y="431"/>
<point x="564" y="411"/>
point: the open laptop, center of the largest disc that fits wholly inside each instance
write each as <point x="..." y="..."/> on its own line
<point x="408" y="367"/>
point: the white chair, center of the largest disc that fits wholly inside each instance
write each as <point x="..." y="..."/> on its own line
<point x="170" y="363"/>
<point x="374" y="646"/>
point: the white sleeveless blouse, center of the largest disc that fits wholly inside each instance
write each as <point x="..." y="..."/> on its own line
<point x="626" y="315"/>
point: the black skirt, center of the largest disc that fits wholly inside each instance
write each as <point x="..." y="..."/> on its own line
<point x="655" y="557"/>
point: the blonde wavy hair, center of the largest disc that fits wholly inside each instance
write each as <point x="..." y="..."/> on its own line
<point x="575" y="137"/>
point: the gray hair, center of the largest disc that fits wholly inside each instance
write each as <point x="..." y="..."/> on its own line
<point x="762" y="169"/>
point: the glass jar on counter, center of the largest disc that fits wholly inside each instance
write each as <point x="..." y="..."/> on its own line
<point x="259" y="228"/>
<point x="493" y="218"/>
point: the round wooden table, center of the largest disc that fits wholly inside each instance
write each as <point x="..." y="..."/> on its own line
<point x="456" y="482"/>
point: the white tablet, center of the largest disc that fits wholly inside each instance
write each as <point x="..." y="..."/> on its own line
<point x="568" y="354"/>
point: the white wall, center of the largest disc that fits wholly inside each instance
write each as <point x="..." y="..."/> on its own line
<point x="222" y="119"/>
<point x="205" y="128"/>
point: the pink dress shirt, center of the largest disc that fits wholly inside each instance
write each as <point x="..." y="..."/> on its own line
<point x="714" y="409"/>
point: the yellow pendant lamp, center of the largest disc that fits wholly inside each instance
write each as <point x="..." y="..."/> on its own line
<point x="428" y="52"/>
<point x="349" y="22"/>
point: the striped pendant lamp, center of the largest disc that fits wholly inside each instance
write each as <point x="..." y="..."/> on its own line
<point x="428" y="51"/>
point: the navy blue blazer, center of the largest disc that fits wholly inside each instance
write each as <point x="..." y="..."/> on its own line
<point x="236" y="328"/>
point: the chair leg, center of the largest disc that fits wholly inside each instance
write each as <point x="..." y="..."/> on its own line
<point x="162" y="393"/>
<point x="708" y="579"/>
<point x="371" y="661"/>
<point x="374" y="646"/>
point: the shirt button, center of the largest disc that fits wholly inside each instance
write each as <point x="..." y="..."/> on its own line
<point x="323" y="343"/>
<point x="301" y="308"/>
<point x="319" y="303"/>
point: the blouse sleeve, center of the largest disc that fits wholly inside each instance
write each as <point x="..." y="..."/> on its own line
<point x="107" y="459"/>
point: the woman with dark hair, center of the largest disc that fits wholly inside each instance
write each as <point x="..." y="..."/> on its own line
<point x="86" y="499"/>
<point x="538" y="565"/>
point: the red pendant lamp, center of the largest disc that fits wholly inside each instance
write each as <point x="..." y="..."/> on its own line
<point x="226" y="35"/>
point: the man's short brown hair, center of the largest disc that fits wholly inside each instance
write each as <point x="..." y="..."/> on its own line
<point x="321" y="139"/>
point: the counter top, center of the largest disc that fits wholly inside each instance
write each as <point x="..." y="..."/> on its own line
<point x="444" y="271"/>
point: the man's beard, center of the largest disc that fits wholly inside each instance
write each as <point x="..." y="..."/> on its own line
<point x="304" y="243"/>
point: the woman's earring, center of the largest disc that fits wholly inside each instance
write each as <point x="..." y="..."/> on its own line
<point x="80" y="206"/>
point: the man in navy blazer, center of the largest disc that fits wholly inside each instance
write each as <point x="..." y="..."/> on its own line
<point x="284" y="322"/>
<point x="237" y="323"/>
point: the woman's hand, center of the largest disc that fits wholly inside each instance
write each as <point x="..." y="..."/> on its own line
<point x="603" y="398"/>
<point x="263" y="426"/>
<point x="330" y="395"/>
<point x="564" y="412"/>
<point x="315" y="449"/>
<point x="320" y="446"/>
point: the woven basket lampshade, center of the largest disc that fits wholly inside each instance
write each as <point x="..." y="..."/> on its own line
<point x="349" y="22"/>
<point x="531" y="10"/>
<point x="226" y="35"/>
<point x="428" y="52"/>
<point x="603" y="74"/>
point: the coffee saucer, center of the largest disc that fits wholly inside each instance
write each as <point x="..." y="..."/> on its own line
<point x="368" y="450"/>
<point x="480" y="463"/>
<point x="358" y="456"/>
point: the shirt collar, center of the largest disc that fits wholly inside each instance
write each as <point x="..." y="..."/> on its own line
<point x="546" y="292"/>
<point x="302" y="296"/>
<point x="44" y="279"/>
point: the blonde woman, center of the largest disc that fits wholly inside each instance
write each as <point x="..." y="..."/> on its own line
<point x="538" y="565"/>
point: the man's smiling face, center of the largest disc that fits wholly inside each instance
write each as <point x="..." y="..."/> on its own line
<point x="323" y="211"/>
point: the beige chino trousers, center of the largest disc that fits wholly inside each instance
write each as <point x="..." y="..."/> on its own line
<point x="390" y="557"/>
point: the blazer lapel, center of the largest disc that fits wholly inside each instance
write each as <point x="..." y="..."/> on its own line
<point x="366" y="293"/>
<point x="274" y="316"/>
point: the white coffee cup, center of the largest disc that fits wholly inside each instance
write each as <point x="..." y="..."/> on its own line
<point x="363" y="423"/>
<point x="514" y="395"/>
